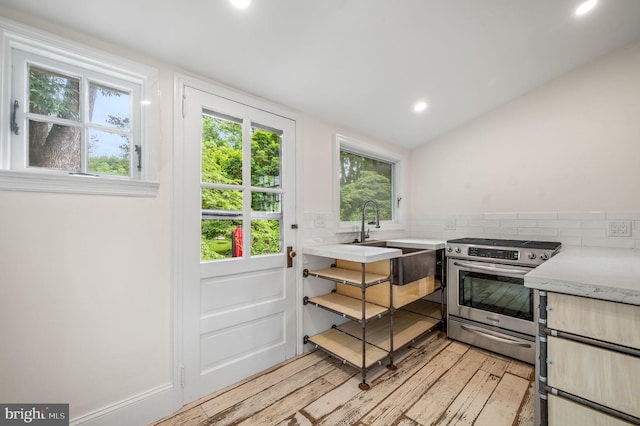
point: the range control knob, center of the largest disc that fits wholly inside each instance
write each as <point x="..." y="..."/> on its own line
<point x="544" y="256"/>
<point x="458" y="250"/>
<point x="531" y="256"/>
<point x="449" y="249"/>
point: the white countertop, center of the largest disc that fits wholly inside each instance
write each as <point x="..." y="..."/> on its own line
<point x="417" y="243"/>
<point x="600" y="273"/>
<point x="354" y="252"/>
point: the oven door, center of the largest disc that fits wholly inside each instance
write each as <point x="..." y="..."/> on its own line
<point x="492" y="294"/>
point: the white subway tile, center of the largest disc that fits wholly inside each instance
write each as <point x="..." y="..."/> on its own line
<point x="608" y="242"/>
<point x="519" y="223"/>
<point x="500" y="216"/>
<point x="589" y="224"/>
<point x="581" y="232"/>
<point x="535" y="232"/>
<point x="592" y="215"/>
<point x="538" y="215"/>
<point x="623" y="215"/>
<point x="560" y="224"/>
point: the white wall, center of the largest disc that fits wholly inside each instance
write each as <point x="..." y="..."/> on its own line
<point x="86" y="287"/>
<point x="568" y="151"/>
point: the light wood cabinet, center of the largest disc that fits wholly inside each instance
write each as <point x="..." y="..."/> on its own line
<point x="599" y="319"/>
<point x="377" y="328"/>
<point x="567" y="413"/>
<point x="589" y="366"/>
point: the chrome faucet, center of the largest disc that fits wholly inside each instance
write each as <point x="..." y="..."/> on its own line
<point x="363" y="236"/>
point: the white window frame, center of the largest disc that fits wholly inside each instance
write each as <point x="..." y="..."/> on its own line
<point x="355" y="146"/>
<point x="17" y="41"/>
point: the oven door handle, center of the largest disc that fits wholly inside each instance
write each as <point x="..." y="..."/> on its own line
<point x="483" y="333"/>
<point x="491" y="268"/>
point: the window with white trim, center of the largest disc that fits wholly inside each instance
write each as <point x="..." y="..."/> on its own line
<point x="78" y="120"/>
<point x="366" y="173"/>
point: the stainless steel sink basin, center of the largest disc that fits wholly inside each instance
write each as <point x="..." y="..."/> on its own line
<point x="411" y="266"/>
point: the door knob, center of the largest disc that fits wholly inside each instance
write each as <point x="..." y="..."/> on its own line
<point x="290" y="255"/>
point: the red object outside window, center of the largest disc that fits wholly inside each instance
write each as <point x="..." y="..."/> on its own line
<point x="236" y="242"/>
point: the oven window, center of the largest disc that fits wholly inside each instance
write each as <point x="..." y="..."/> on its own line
<point x="498" y="294"/>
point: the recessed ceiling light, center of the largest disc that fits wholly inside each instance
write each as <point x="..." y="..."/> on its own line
<point x="420" y="106"/>
<point x="240" y="4"/>
<point x="586" y="7"/>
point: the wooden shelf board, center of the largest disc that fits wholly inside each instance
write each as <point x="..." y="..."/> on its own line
<point x="349" y="276"/>
<point x="406" y="325"/>
<point x="424" y="307"/>
<point x="348" y="348"/>
<point x="348" y="306"/>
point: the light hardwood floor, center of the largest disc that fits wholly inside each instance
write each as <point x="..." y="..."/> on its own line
<point x="438" y="382"/>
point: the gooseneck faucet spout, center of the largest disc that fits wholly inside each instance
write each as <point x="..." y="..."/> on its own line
<point x="363" y="236"/>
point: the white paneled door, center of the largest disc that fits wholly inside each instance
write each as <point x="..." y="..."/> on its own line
<point x="236" y="185"/>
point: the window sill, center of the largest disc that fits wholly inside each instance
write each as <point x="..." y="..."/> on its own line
<point x="36" y="182"/>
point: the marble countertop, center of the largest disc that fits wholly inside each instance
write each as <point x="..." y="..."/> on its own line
<point x="354" y="252"/>
<point x="600" y="273"/>
<point x="417" y="243"/>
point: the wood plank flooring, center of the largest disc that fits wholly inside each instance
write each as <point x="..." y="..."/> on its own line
<point x="438" y="382"/>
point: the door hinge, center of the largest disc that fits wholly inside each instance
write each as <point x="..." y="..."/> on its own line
<point x="184" y="99"/>
<point x="182" y="375"/>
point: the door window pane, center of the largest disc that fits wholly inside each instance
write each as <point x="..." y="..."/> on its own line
<point x="221" y="150"/>
<point x="265" y="158"/>
<point x="54" y="146"/>
<point x="222" y="199"/>
<point x="221" y="239"/>
<point x="108" y="153"/>
<point x="53" y="94"/>
<point x="265" y="237"/>
<point x="265" y="202"/>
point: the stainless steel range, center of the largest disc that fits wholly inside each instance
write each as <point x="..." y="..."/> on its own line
<point x="488" y="305"/>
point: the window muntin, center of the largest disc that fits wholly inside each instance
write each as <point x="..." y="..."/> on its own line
<point x="227" y="164"/>
<point x="118" y="155"/>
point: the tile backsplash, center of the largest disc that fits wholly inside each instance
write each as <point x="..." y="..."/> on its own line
<point x="578" y="228"/>
<point x="571" y="228"/>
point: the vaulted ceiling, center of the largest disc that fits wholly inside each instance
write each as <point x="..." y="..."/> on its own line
<point x="363" y="64"/>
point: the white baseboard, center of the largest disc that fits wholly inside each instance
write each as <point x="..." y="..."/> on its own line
<point x="141" y="409"/>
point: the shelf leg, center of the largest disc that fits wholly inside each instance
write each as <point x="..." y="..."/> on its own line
<point x="392" y="311"/>
<point x="364" y="385"/>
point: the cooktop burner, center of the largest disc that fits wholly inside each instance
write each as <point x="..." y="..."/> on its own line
<point x="543" y="245"/>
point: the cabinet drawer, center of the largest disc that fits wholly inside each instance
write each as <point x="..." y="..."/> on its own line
<point x="563" y="412"/>
<point x="606" y="377"/>
<point x="598" y="319"/>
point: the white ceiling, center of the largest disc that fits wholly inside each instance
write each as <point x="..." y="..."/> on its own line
<point x="363" y="63"/>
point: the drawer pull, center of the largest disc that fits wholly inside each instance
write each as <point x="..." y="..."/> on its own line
<point x="495" y="338"/>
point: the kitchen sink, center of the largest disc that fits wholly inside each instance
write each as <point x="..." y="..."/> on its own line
<point x="413" y="265"/>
